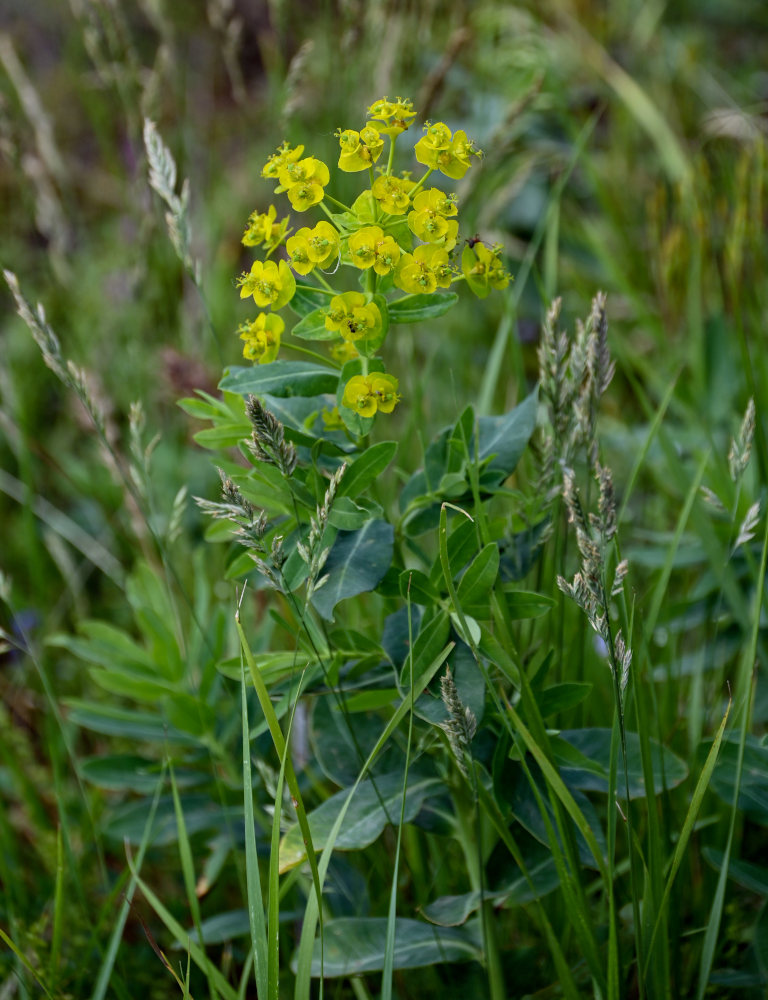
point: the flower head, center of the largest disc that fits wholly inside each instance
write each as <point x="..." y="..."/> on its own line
<point x="262" y="337"/>
<point x="483" y="269"/>
<point x="359" y="150"/>
<point x="426" y="269"/>
<point x="394" y="116"/>
<point x="440" y="150"/>
<point x="269" y="283"/>
<point x="392" y="194"/>
<point x="262" y="229"/>
<point x="313" y="247"/>
<point x="365" y="394"/>
<point x="353" y="317"/>
<point x="304" y="181"/>
<point x="284" y="154"/>
<point x="369" y="247"/>
<point x="429" y="218"/>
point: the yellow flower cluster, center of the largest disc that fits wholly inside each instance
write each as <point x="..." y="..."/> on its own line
<point x="398" y="233"/>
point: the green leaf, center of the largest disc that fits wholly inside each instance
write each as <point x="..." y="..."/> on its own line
<point x="313" y="327"/>
<point x="421" y="307"/>
<point x="561" y="697"/>
<point x="127" y="771"/>
<point x="281" y="378"/>
<point x="431" y="639"/>
<point x="349" y="516"/>
<point x="595" y="744"/>
<point x="365" y="469"/>
<point x="744" y="873"/>
<point x="753" y="790"/>
<point x="113" y="721"/>
<point x="223" y="927"/>
<point x="376" y="803"/>
<point x="354" y="945"/>
<point x="525" y="603"/>
<point x="504" y="439"/>
<point x="341" y="744"/>
<point x="479" y="577"/>
<point x="200" y="814"/>
<point x="417" y="585"/>
<point x="305" y="302"/>
<point x="356" y="563"/>
<point x="452" y="911"/>
<point x="353" y="421"/>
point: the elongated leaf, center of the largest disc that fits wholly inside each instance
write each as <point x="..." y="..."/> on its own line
<point x="356" y="945"/>
<point x="113" y="721"/>
<point x="312" y="327"/>
<point x="595" y="744"/>
<point x="376" y="803"/>
<point x="281" y="378"/>
<point x="504" y="439"/>
<point x="753" y="788"/>
<point x="421" y="307"/>
<point x="127" y="771"/>
<point x="305" y="301"/>
<point x="362" y="472"/>
<point x="452" y="911"/>
<point x="522" y="604"/>
<point x="356" y="563"/>
<point x="479" y="576"/>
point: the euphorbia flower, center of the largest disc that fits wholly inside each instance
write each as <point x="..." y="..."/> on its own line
<point x="483" y="269"/>
<point x="359" y="150"/>
<point x="428" y="219"/>
<point x="262" y="337"/>
<point x="369" y="247"/>
<point x="440" y="150"/>
<point x="365" y="394"/>
<point x="284" y="154"/>
<point x="392" y="194"/>
<point x="304" y="181"/>
<point x="269" y="283"/>
<point x="396" y="115"/>
<point x="352" y="316"/>
<point x="426" y="269"/>
<point x="313" y="247"/>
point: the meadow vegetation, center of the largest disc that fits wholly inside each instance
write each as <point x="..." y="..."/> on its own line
<point x="383" y="482"/>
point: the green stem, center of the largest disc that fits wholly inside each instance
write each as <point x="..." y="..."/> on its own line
<point x="391" y="159"/>
<point x="342" y="206"/>
<point x="420" y="184"/>
<point x="314" y="288"/>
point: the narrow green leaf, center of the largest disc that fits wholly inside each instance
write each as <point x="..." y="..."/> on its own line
<point x="365" y="469"/>
<point x="281" y="378"/>
<point x="416" y="308"/>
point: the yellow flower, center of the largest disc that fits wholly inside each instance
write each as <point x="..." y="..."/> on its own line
<point x="284" y="154"/>
<point x="352" y="317"/>
<point x="298" y="250"/>
<point x="262" y="337"/>
<point x="428" y="219"/>
<point x="369" y="247"/>
<point x="392" y="194"/>
<point x="396" y="115"/>
<point x="483" y="269"/>
<point x="269" y="283"/>
<point x="426" y="269"/>
<point x="313" y="247"/>
<point x="344" y="350"/>
<point x="359" y="150"/>
<point x="332" y="419"/>
<point x="304" y="180"/>
<point x="440" y="150"/>
<point x="324" y="245"/>
<point x="365" y="394"/>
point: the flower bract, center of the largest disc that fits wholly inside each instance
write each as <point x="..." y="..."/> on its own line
<point x="392" y="194"/>
<point x="359" y="150"/>
<point x="271" y="285"/>
<point x="262" y="337"/>
<point x="429" y="218"/>
<point x="365" y="394"/>
<point x="369" y="247"/>
<point x="483" y="269"/>
<point x="426" y="269"/>
<point x="353" y="317"/>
